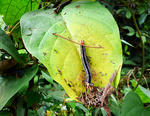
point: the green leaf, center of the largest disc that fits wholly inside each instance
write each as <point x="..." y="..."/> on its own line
<point x="115" y="108"/>
<point x="141" y="10"/>
<point x="144" y="39"/>
<point x="10" y="86"/>
<point x="12" y="10"/>
<point x="5" y="113"/>
<point x="58" y="95"/>
<point x="33" y="97"/>
<point x="127" y="43"/>
<point x="144" y="98"/>
<point x="145" y="91"/>
<point x="142" y="18"/>
<point x="20" y="109"/>
<point x="103" y="112"/>
<point x="120" y="10"/>
<point x="81" y="106"/>
<point x="128" y="14"/>
<point x="142" y="92"/>
<point x="2" y="23"/>
<point x="130" y="62"/>
<point x="132" y="106"/>
<point x="7" y="45"/>
<point x="63" y="58"/>
<point x="47" y="77"/>
<point x="149" y="11"/>
<point x="130" y="29"/>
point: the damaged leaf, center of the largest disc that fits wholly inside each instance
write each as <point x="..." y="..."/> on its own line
<point x="87" y="21"/>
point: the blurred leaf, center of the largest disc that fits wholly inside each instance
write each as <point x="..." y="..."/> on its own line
<point x="144" y="98"/>
<point x="47" y="77"/>
<point x="72" y="104"/>
<point x="125" y="11"/>
<point x="142" y="92"/>
<point x="7" y="45"/>
<point x="126" y="50"/>
<point x="126" y="90"/>
<point x="130" y="29"/>
<point x="142" y="18"/>
<point x="103" y="112"/>
<point x="115" y="108"/>
<point x="32" y="113"/>
<point x="130" y="62"/>
<point x="144" y="39"/>
<point x="128" y="14"/>
<point x="145" y="91"/>
<point x="141" y="10"/>
<point x="132" y="106"/>
<point x="120" y="10"/>
<point x="127" y="43"/>
<point x="2" y="23"/>
<point x="5" y="113"/>
<point x="134" y="83"/>
<point x="81" y="106"/>
<point x="20" y="109"/>
<point x="149" y="11"/>
<point x="58" y="95"/>
<point x="10" y="86"/>
<point x="33" y="97"/>
<point x="12" y="10"/>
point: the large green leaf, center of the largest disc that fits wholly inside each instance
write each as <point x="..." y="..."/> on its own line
<point x="7" y="45"/>
<point x="88" y="21"/>
<point x="132" y="106"/>
<point x="143" y="93"/>
<point x="12" y="10"/>
<point x="10" y="86"/>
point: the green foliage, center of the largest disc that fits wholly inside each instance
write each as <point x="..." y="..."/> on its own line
<point x="9" y="86"/>
<point x="132" y="106"/>
<point x="7" y="45"/>
<point x="28" y="89"/>
<point x="12" y="10"/>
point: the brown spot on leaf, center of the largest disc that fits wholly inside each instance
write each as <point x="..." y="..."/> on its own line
<point x="78" y="6"/>
<point x="82" y="76"/>
<point x="65" y="80"/>
<point x="69" y="85"/>
<point x="55" y="51"/>
<point x="112" y="62"/>
<point x="105" y="54"/>
<point x="59" y="71"/>
<point x="44" y="53"/>
<point x="94" y="75"/>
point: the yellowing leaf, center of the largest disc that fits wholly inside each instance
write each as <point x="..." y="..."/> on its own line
<point x="88" y="21"/>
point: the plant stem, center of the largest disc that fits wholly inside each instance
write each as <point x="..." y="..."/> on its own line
<point x="139" y="33"/>
<point x="140" y="36"/>
<point x="13" y="28"/>
<point x="31" y="5"/>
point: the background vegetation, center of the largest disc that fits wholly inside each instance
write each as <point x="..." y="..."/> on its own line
<point x="26" y="88"/>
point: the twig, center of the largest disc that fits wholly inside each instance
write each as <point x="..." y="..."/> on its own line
<point x="31" y="5"/>
<point x="143" y="51"/>
<point x="76" y="42"/>
<point x="129" y="75"/>
<point x="146" y="82"/>
<point x="13" y="28"/>
<point x="139" y="33"/>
